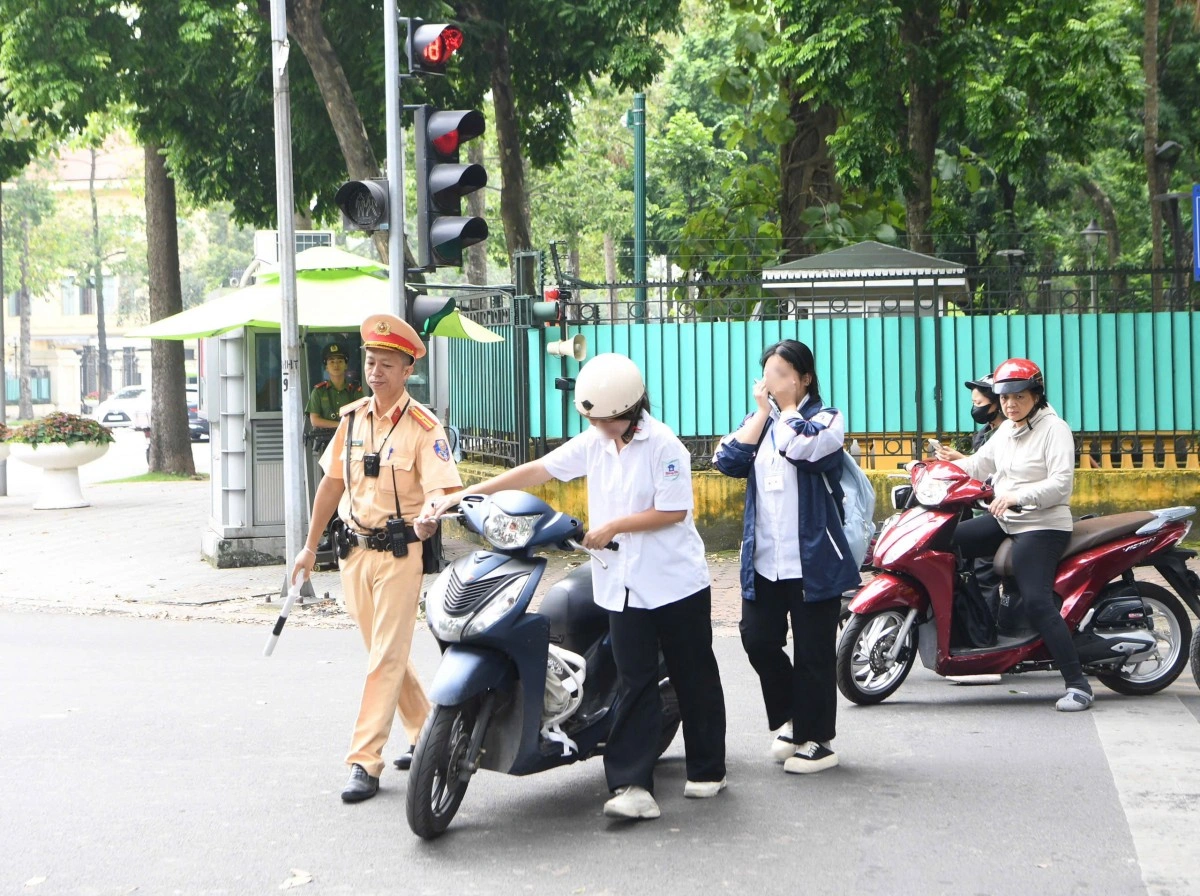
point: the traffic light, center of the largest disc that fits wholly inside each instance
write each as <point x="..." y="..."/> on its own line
<point x="442" y="231"/>
<point x="426" y="312"/>
<point x="364" y="204"/>
<point x="431" y="46"/>
<point x="549" y="311"/>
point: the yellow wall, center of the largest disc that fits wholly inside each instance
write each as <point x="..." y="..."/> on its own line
<point x="719" y="499"/>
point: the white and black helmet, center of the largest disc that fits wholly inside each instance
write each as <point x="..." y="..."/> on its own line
<point x="608" y="386"/>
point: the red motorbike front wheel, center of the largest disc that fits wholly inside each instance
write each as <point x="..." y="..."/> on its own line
<point x="865" y="673"/>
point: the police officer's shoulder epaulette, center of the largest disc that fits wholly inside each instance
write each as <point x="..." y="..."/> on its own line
<point x="424" y="418"/>
<point x="324" y="384"/>
<point x="352" y="406"/>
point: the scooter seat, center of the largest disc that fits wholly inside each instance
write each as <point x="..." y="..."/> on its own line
<point x="1086" y="535"/>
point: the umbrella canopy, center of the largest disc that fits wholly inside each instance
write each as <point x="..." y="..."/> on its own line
<point x="325" y="300"/>
<point x="335" y="290"/>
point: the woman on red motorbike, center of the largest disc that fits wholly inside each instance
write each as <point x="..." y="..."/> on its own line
<point x="1031" y="460"/>
<point x="795" y="559"/>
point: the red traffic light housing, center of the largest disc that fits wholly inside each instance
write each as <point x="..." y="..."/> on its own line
<point x="364" y="204"/>
<point x="431" y="46"/>
<point x="442" y="231"/>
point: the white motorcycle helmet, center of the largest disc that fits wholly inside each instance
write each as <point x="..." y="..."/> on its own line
<point x="608" y="386"/>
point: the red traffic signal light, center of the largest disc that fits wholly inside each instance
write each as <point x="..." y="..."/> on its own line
<point x="442" y="231"/>
<point x="431" y="46"/>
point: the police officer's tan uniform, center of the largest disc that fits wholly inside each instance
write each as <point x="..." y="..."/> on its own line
<point x="382" y="590"/>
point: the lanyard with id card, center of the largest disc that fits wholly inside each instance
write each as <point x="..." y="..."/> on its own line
<point x="773" y="480"/>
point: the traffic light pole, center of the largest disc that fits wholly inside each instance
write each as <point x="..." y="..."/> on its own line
<point x="295" y="503"/>
<point x="395" y="159"/>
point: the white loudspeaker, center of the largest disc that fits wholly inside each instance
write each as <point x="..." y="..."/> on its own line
<point x="576" y="348"/>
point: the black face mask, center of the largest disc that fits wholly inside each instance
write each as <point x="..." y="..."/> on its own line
<point x="983" y="415"/>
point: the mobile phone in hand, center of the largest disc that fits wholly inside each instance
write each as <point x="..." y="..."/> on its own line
<point x="933" y="446"/>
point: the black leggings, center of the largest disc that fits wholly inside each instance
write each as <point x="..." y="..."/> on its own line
<point x="1035" y="557"/>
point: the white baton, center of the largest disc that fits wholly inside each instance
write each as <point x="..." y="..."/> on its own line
<point x="273" y="638"/>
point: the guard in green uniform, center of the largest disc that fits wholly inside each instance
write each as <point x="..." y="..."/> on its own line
<point x="328" y="396"/>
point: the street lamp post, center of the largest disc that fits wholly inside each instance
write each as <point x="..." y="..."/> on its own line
<point x="1091" y="235"/>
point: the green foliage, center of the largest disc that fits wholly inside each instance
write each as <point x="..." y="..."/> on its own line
<point x="61" y="428"/>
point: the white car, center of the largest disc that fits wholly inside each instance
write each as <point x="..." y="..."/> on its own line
<point x="124" y="407"/>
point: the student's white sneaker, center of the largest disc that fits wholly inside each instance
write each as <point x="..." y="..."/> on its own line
<point x="632" y="802"/>
<point x="810" y="757"/>
<point x="702" y="790"/>
<point x="782" y="746"/>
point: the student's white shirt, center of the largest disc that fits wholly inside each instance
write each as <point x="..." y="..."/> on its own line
<point x="776" y="508"/>
<point x="653" y="471"/>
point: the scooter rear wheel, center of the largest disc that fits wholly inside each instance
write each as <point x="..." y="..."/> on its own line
<point x="438" y="778"/>
<point x="1172" y="630"/>
<point x="1196" y="656"/>
<point x="864" y="673"/>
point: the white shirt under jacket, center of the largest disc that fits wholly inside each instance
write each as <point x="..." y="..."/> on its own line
<point x="777" y="496"/>
<point x="652" y="472"/>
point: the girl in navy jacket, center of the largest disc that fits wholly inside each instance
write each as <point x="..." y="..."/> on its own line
<point x="795" y="559"/>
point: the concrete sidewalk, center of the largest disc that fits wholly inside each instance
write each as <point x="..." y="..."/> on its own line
<point x="136" y="550"/>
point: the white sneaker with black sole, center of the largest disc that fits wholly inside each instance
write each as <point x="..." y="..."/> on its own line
<point x="810" y="757"/>
<point x="782" y="745"/>
<point x="632" y="802"/>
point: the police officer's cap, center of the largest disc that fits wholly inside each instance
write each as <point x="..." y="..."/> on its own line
<point x="390" y="333"/>
<point x="333" y="350"/>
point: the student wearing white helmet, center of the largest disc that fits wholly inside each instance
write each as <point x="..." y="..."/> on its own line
<point x="656" y="588"/>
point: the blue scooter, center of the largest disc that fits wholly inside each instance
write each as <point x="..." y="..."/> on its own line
<point x="516" y="692"/>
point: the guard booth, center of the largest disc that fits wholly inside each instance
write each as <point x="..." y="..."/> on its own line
<point x="243" y="388"/>
<point x="245" y="400"/>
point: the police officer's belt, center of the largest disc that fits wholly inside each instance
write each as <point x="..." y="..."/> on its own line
<point x="378" y="539"/>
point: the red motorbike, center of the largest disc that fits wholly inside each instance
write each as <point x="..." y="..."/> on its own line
<point x="1131" y="634"/>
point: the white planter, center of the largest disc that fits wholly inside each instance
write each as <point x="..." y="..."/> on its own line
<point x="60" y="465"/>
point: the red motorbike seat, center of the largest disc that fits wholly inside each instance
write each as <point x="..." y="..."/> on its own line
<point x="1086" y="534"/>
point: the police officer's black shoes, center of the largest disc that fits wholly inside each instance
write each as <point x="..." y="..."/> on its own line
<point x="361" y="786"/>
<point x="405" y="761"/>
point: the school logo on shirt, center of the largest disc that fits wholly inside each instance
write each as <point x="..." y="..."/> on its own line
<point x="824" y="418"/>
<point x="441" y="449"/>
<point x="670" y="470"/>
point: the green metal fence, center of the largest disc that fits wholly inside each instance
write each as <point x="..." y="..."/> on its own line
<point x="1119" y="378"/>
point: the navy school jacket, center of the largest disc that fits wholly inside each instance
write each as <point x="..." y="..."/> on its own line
<point x="829" y="570"/>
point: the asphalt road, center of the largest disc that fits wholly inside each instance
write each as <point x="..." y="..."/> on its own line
<point x="165" y="757"/>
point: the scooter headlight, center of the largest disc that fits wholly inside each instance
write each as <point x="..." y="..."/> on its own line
<point x="444" y="626"/>
<point x="508" y="532"/>
<point x="495" y="607"/>
<point x="930" y="491"/>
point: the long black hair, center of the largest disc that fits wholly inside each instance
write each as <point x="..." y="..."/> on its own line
<point x="800" y="356"/>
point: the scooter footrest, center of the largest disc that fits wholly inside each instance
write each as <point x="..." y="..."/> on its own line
<point x="1003" y="642"/>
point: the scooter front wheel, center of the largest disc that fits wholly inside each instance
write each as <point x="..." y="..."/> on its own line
<point x="865" y="674"/>
<point x="438" y="778"/>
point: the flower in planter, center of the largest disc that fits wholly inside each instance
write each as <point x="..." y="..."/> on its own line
<point x="5" y="432"/>
<point x="61" y="428"/>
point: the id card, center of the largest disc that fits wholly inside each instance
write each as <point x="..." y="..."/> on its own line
<point x="773" y="482"/>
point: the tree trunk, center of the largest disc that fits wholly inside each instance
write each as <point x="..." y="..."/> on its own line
<point x="806" y="171"/>
<point x="170" y="443"/>
<point x="918" y="30"/>
<point x="304" y="24"/>
<point x="514" y="201"/>
<point x="103" y="373"/>
<point x="610" y="264"/>
<point x="1150" y="142"/>
<point x="25" y="401"/>
<point x="477" y="208"/>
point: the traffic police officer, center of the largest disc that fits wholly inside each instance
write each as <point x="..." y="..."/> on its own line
<point x="388" y="458"/>
<point x="330" y="395"/>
